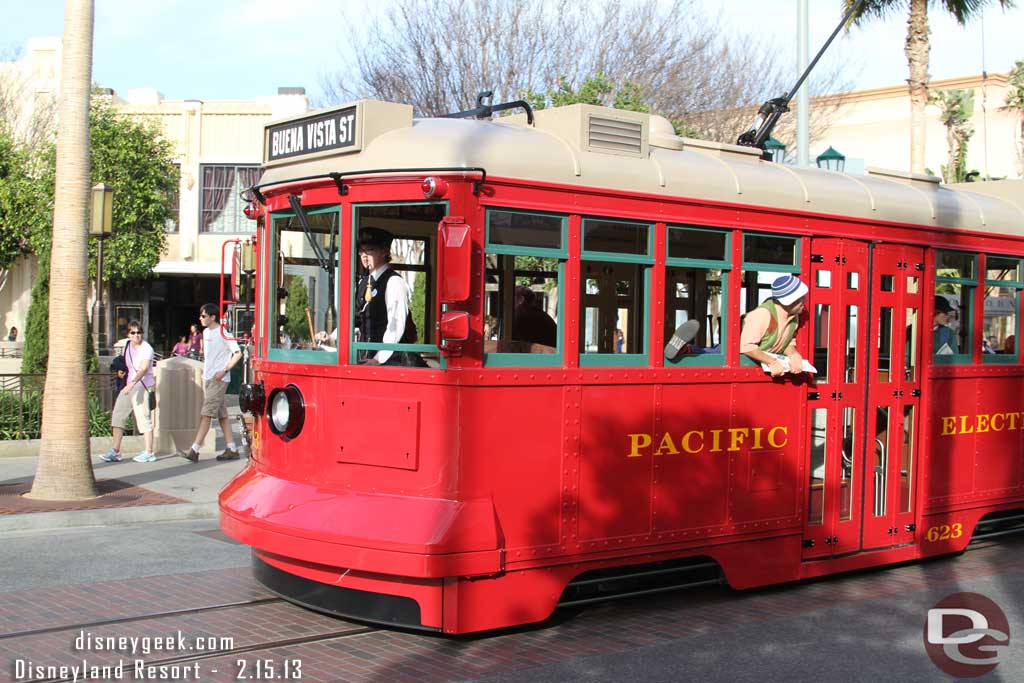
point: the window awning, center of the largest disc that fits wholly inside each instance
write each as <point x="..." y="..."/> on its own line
<point x="189" y="268"/>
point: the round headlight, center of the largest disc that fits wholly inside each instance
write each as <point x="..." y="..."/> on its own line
<point x="279" y="411"/>
<point x="286" y="412"/>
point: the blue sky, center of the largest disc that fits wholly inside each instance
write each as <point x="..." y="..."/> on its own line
<point x="240" y="49"/>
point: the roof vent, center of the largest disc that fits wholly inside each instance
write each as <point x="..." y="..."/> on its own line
<point x="284" y="90"/>
<point x="611" y="134"/>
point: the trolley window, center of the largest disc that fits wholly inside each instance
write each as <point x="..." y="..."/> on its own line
<point x="615" y="281"/>
<point x="775" y="251"/>
<point x="304" y="275"/>
<point x="1003" y="284"/>
<point x="765" y="257"/>
<point x="696" y="288"/>
<point x="413" y="231"/>
<point x="523" y="276"/>
<point x="955" y="284"/>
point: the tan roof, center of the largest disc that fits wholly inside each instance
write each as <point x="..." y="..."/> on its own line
<point x="627" y="151"/>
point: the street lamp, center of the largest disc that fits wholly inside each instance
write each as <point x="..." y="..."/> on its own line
<point x="776" y="149"/>
<point x="101" y="209"/>
<point x="831" y="160"/>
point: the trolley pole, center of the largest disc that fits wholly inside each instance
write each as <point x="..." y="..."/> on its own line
<point x="803" y="112"/>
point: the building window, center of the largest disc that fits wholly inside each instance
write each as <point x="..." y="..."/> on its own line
<point x="174" y="200"/>
<point x="221" y="207"/>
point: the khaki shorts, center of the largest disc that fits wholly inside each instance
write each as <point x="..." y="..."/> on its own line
<point x="213" y="399"/>
<point x="135" y="401"/>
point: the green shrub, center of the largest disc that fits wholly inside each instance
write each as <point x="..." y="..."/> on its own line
<point x="36" y="352"/>
<point x="21" y="414"/>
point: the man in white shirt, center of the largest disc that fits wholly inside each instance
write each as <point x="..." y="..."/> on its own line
<point x="221" y="355"/>
<point x="382" y="301"/>
<point x="134" y="397"/>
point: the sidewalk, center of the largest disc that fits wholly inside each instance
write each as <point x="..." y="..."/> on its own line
<point x="169" y="489"/>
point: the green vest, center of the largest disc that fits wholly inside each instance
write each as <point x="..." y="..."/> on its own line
<point x="770" y="337"/>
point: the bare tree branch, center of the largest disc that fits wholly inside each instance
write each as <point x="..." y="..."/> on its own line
<point x="439" y="54"/>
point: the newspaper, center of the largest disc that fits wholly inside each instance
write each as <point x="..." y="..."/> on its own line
<point x="785" y="364"/>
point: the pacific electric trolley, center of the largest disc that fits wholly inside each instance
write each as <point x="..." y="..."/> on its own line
<point x="510" y="476"/>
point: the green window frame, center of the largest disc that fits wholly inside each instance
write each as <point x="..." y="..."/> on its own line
<point x="968" y="287"/>
<point x="498" y="359"/>
<point x="748" y="263"/>
<point x="1016" y="284"/>
<point x="645" y="259"/>
<point x="354" y="346"/>
<point x="725" y="266"/>
<point x="313" y="356"/>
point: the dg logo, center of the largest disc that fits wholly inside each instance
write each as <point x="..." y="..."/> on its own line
<point x="966" y="634"/>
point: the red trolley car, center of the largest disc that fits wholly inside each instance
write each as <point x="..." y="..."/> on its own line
<point x="509" y="476"/>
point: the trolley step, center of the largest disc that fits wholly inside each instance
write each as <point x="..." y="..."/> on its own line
<point x="644" y="579"/>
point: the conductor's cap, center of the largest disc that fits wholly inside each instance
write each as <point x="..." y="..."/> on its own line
<point x="375" y="237"/>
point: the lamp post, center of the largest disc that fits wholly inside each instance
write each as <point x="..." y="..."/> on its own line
<point x="101" y="209"/>
<point x="776" y="149"/>
<point x="831" y="160"/>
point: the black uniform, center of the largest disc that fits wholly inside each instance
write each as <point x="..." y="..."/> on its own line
<point x="372" y="321"/>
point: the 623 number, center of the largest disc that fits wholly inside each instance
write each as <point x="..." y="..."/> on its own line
<point x="944" y="532"/>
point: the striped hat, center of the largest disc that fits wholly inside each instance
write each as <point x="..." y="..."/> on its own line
<point x="788" y="288"/>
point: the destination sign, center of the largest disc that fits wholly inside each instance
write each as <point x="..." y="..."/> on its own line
<point x="320" y="133"/>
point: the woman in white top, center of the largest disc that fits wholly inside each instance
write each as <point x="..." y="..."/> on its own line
<point x="134" y="398"/>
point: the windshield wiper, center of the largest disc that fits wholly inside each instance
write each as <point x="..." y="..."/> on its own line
<point x="324" y="260"/>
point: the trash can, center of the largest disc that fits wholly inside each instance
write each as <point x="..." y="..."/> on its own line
<point x="179" y="398"/>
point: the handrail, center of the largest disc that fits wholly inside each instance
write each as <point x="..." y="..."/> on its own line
<point x="343" y="189"/>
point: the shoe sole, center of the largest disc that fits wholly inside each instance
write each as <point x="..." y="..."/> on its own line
<point x="228" y="457"/>
<point x="188" y="456"/>
<point x="684" y="334"/>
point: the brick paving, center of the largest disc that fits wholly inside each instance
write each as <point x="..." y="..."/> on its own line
<point x="39" y="608"/>
<point x="391" y="656"/>
<point x="114" y="493"/>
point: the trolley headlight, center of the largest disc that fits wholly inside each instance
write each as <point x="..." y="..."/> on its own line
<point x="286" y="412"/>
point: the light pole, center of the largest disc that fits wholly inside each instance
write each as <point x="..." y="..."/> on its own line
<point x="832" y="160"/>
<point x="102" y="207"/>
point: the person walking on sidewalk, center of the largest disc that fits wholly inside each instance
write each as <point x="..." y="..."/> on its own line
<point x="134" y="397"/>
<point x="220" y="356"/>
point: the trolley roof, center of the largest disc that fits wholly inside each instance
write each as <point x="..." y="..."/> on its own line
<point x="603" y="148"/>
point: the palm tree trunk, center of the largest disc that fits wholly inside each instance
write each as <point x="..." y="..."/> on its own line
<point x="917" y="49"/>
<point x="64" y="471"/>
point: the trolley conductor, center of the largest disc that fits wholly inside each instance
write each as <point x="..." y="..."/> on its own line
<point x="382" y="300"/>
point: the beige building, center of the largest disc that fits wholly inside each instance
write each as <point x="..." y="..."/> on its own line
<point x="218" y="147"/>
<point x="872" y="129"/>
